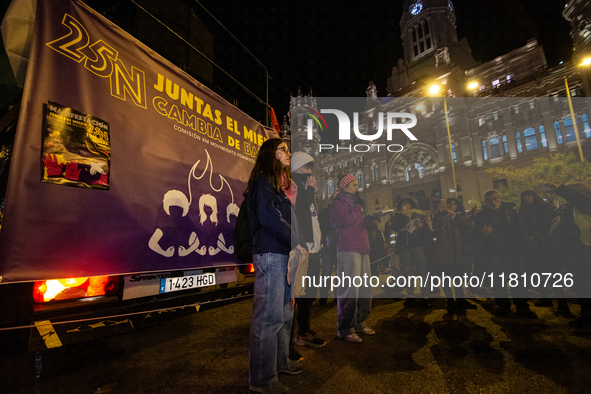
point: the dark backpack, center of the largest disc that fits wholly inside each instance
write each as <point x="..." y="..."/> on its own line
<point x="243" y="238"/>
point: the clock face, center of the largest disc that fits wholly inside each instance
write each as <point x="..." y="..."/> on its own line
<point x="416" y="8"/>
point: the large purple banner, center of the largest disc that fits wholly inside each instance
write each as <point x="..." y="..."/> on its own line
<point x="122" y="162"/>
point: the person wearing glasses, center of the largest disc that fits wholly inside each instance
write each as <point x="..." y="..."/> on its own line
<point x="269" y="201"/>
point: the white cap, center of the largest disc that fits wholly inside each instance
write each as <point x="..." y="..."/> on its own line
<point x="299" y="159"/>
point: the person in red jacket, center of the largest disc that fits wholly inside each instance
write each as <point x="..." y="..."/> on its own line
<point x="353" y="303"/>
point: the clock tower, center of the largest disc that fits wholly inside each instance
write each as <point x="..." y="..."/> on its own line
<point x="430" y="40"/>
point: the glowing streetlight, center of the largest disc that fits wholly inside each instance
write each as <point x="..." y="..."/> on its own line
<point x="434" y="89"/>
<point x="586" y="62"/>
<point x="472" y="85"/>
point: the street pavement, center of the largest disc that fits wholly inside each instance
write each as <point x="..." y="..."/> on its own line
<point x="415" y="350"/>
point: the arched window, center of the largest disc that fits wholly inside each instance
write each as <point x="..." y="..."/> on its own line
<point x="360" y="179"/>
<point x="484" y="152"/>
<point x="505" y="145"/>
<point x="518" y="140"/>
<point x="543" y="136"/>
<point x="558" y="133"/>
<point x="570" y="129"/>
<point x="375" y="173"/>
<point x="530" y="139"/>
<point x="330" y="189"/>
<point x="586" y="128"/>
<point x="453" y="153"/>
<point x="414" y="171"/>
<point x="421" y="38"/>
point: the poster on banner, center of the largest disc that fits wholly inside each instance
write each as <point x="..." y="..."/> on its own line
<point x="170" y="157"/>
<point x="76" y="148"/>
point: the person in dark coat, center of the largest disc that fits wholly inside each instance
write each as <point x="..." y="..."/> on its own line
<point x="575" y="235"/>
<point x="539" y="255"/>
<point x="500" y="237"/>
<point x="412" y="245"/>
<point x="453" y="251"/>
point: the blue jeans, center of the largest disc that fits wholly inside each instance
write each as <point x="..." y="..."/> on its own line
<point x="353" y="303"/>
<point x="272" y="317"/>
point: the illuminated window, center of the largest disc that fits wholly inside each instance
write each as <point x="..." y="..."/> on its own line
<point x="558" y="133"/>
<point x="543" y="136"/>
<point x="518" y="140"/>
<point x="360" y="179"/>
<point x="570" y="129"/>
<point x="484" y="152"/>
<point x="414" y="171"/>
<point x="530" y="139"/>
<point x="330" y="189"/>
<point x="453" y="153"/>
<point x="586" y="128"/>
<point x="496" y="83"/>
<point x="509" y="78"/>
<point x="505" y="145"/>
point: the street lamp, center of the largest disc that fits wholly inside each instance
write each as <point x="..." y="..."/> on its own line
<point x="434" y="89"/>
<point x="584" y="63"/>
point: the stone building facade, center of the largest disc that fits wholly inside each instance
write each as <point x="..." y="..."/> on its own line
<point x="507" y="111"/>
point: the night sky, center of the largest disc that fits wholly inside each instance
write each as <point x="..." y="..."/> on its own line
<point x="337" y="49"/>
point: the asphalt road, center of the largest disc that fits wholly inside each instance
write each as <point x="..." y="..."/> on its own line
<point x="414" y="351"/>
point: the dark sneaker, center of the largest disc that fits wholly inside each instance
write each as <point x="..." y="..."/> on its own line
<point x="274" y="388"/>
<point x="293" y="368"/>
<point x="294" y="355"/>
<point x="310" y="339"/>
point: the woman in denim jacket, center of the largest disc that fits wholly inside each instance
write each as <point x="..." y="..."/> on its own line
<point x="270" y="216"/>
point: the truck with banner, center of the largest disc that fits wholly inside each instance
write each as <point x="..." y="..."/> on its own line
<point x="126" y="174"/>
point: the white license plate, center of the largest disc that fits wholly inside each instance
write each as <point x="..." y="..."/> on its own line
<point x="186" y="282"/>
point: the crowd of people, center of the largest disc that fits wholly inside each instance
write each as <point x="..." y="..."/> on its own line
<point x="291" y="238"/>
